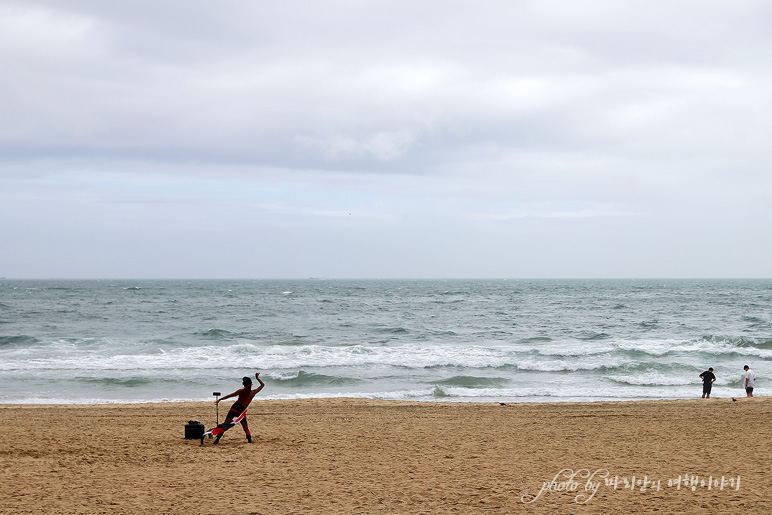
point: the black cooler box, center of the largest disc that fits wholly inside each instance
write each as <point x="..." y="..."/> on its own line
<point x="194" y="430"/>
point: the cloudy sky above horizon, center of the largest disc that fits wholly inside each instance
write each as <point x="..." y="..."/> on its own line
<point x="385" y="139"/>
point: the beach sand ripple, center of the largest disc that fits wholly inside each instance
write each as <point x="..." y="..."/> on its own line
<point x="369" y="456"/>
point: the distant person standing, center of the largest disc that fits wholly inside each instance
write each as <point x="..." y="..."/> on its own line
<point x="707" y="382"/>
<point x="750" y="381"/>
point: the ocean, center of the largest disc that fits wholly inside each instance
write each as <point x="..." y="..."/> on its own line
<point x="120" y="341"/>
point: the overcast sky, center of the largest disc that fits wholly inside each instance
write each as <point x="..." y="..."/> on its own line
<point x="385" y="139"/>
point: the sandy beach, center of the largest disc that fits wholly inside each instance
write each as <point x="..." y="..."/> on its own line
<point x="367" y="456"/>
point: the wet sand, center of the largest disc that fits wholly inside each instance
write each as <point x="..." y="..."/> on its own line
<point x="366" y="456"/>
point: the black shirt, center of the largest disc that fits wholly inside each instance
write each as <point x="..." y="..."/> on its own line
<point x="707" y="377"/>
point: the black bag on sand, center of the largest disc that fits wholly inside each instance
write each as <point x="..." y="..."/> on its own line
<point x="194" y="430"/>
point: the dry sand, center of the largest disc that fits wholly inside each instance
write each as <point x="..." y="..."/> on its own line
<point x="365" y="456"/>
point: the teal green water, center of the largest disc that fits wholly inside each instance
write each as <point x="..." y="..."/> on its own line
<point x="475" y="340"/>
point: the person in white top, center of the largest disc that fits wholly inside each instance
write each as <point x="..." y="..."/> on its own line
<point x="750" y="381"/>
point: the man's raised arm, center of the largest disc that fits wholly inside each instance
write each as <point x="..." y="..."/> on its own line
<point x="254" y="392"/>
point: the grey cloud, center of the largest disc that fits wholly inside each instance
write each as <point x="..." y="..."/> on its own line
<point x="494" y="118"/>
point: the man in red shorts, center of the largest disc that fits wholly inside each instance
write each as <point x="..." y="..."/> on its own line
<point x="236" y="413"/>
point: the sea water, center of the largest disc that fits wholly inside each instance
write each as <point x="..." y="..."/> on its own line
<point x="85" y="341"/>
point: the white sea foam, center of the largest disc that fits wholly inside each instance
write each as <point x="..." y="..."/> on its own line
<point x="84" y="341"/>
